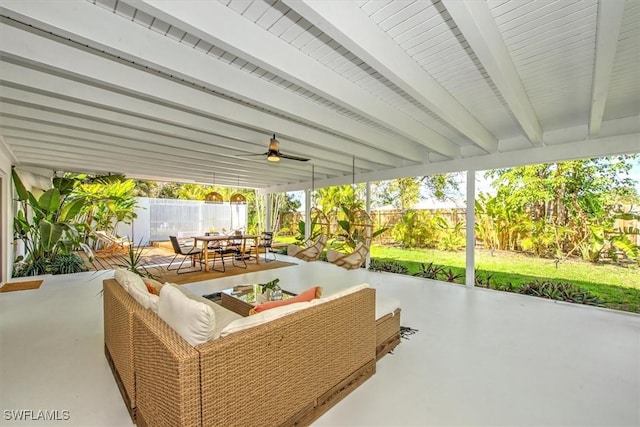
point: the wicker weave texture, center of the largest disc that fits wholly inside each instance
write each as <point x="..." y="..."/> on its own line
<point x="267" y="374"/>
<point x="119" y="307"/>
<point x="167" y="374"/>
<point x="387" y="332"/>
<point x="236" y="305"/>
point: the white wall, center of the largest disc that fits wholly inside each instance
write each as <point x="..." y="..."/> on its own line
<point x="35" y="180"/>
<point x="6" y="214"/>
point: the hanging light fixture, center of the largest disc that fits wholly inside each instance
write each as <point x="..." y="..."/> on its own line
<point x="213" y="198"/>
<point x="237" y="198"/>
<point x="273" y="154"/>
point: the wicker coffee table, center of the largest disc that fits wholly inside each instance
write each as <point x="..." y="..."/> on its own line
<point x="241" y="299"/>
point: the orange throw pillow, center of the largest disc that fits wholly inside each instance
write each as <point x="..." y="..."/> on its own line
<point x="308" y="295"/>
<point x="153" y="286"/>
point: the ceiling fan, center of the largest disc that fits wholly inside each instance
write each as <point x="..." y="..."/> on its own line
<point x="274" y="155"/>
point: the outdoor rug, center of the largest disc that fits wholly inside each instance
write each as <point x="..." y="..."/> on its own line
<point x="21" y="286"/>
<point x="163" y="275"/>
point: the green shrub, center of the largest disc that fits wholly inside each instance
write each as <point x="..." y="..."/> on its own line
<point x="416" y="229"/>
<point x="30" y="267"/>
<point x="388" y="266"/>
<point x="58" y="264"/>
<point x="560" y="291"/>
<point x="482" y="280"/>
<point x="67" y="264"/>
<point x="429" y="271"/>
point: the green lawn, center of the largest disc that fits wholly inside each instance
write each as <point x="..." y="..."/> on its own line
<point x="618" y="287"/>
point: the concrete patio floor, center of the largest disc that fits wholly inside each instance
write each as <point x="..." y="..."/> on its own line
<point x="480" y="358"/>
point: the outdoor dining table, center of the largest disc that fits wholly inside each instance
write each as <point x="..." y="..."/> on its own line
<point x="220" y="238"/>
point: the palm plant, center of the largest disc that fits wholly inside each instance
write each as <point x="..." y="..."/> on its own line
<point x="46" y="225"/>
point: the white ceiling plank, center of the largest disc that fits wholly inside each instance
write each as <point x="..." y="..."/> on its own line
<point x="136" y="82"/>
<point x="153" y="50"/>
<point x="104" y="152"/>
<point x="608" y="28"/>
<point x="223" y="27"/>
<point x="197" y="161"/>
<point x="141" y="114"/>
<point x="347" y="23"/>
<point x="78" y="165"/>
<point x="138" y="135"/>
<point x="478" y="26"/>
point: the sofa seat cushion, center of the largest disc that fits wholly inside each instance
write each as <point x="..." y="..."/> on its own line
<point x="223" y="315"/>
<point x="193" y="320"/>
<point x="264" y="317"/>
<point x="306" y="296"/>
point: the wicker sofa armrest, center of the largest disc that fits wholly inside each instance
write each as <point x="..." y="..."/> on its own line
<point x="292" y="369"/>
<point x="167" y="374"/>
<point x="119" y="308"/>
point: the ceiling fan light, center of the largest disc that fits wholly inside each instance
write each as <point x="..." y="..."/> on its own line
<point x="273" y="157"/>
<point x="274" y="144"/>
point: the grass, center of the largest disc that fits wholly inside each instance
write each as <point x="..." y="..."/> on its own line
<point x="618" y="286"/>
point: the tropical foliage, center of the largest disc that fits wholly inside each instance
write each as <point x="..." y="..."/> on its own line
<point x="561" y="209"/>
<point x="46" y="227"/>
<point x="59" y="221"/>
<point x="425" y="229"/>
<point x="109" y="200"/>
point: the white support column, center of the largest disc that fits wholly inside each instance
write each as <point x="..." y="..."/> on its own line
<point x="471" y="228"/>
<point x="307" y="214"/>
<point x="368" y="209"/>
<point x="267" y="202"/>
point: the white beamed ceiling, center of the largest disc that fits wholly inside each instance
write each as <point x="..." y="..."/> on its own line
<point x="182" y="90"/>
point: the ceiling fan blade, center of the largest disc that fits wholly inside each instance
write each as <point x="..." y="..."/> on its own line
<point x="300" y="159"/>
<point x="251" y="155"/>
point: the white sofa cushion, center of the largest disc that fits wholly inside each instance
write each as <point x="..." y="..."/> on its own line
<point x="223" y="315"/>
<point x="263" y="317"/>
<point x="193" y="320"/>
<point x="144" y="298"/>
<point x="134" y="285"/>
<point x="124" y="277"/>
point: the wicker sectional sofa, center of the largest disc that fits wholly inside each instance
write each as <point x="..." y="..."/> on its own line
<point x="285" y="372"/>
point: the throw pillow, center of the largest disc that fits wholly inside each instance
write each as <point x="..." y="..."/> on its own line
<point x="306" y="296"/>
<point x="342" y="293"/>
<point x="261" y="318"/>
<point x="144" y="298"/>
<point x="153" y="286"/>
<point x="192" y="320"/>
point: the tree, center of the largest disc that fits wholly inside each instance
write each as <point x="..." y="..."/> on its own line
<point x="404" y="193"/>
<point x="569" y="206"/>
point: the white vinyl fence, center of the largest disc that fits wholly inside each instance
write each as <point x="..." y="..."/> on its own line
<point x="157" y="219"/>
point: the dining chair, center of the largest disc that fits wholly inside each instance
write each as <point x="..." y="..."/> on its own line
<point x="186" y="252"/>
